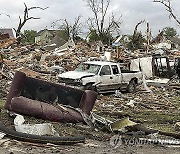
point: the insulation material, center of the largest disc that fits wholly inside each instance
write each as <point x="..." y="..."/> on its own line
<point x="142" y="64"/>
<point x="107" y="55"/>
<point x="146" y="66"/>
<point x="36" y="129"/>
<point x="134" y="65"/>
<point x="158" y="82"/>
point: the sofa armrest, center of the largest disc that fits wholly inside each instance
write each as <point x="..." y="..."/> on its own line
<point x="15" y="89"/>
<point x="87" y="101"/>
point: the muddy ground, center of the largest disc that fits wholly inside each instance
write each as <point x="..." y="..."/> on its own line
<point x="91" y="146"/>
<point x="159" y="109"/>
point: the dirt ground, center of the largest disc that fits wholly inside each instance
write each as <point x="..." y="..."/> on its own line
<point x="91" y="146"/>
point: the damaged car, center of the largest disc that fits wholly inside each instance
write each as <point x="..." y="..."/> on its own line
<point x="101" y="76"/>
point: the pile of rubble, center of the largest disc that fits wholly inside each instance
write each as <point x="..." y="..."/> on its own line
<point x="6" y="41"/>
<point x="32" y="57"/>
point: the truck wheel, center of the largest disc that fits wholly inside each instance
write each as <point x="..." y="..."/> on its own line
<point x="131" y="87"/>
<point x="90" y="87"/>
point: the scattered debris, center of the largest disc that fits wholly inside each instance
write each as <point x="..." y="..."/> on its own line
<point x="131" y="103"/>
<point x="158" y="82"/>
<point x="2" y="135"/>
<point x="177" y="126"/>
<point x="37" y="93"/>
<point x="120" y="125"/>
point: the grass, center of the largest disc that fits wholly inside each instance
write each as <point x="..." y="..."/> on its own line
<point x="157" y="117"/>
<point x="177" y="101"/>
<point x="163" y="121"/>
<point x="2" y="102"/>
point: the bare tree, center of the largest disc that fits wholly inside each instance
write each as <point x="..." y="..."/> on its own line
<point x="99" y="9"/>
<point x="26" y="17"/>
<point x="71" y="30"/>
<point x="76" y="27"/>
<point x="167" y="4"/>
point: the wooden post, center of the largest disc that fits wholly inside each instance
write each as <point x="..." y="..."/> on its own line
<point x="148" y="38"/>
<point x="1" y="59"/>
<point x="117" y="52"/>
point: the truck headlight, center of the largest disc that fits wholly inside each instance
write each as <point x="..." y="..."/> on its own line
<point x="78" y="80"/>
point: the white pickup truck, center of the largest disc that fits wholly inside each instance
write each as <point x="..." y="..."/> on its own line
<point x="102" y="77"/>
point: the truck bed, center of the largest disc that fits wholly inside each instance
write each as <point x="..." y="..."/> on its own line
<point x="128" y="71"/>
<point x="127" y="76"/>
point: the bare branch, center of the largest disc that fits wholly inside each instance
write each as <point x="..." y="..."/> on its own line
<point x="38" y="8"/>
<point x="167" y="4"/>
<point x="95" y="7"/>
<point x="32" y="18"/>
<point x="76" y="26"/>
<point x="90" y="23"/>
<point x="54" y="23"/>
<point x="25" y="11"/>
<point x="5" y="14"/>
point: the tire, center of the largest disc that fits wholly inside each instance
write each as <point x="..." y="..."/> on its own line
<point x="131" y="88"/>
<point x="41" y="139"/>
<point x="90" y="86"/>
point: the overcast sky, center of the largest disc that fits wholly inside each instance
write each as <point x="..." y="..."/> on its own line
<point x="132" y="12"/>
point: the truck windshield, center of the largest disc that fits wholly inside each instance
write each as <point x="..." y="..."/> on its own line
<point x="90" y="68"/>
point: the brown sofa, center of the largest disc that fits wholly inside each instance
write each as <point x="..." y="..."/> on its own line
<point x="39" y="98"/>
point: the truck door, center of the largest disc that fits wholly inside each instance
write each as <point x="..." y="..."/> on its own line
<point x="106" y="80"/>
<point x="116" y="76"/>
